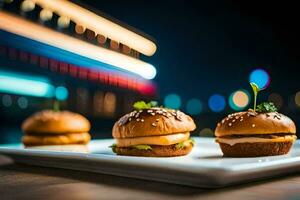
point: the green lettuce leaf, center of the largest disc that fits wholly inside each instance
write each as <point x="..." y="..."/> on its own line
<point x="182" y="145"/>
<point x="141" y="105"/>
<point x="142" y="147"/>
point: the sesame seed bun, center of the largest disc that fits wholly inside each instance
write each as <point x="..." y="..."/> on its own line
<point x="251" y="123"/>
<point x="51" y="122"/>
<point x="152" y="122"/>
<point x="156" y="151"/>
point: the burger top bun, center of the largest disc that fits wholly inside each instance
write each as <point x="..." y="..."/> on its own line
<point x="52" y="122"/>
<point x="251" y="123"/>
<point x="151" y="122"/>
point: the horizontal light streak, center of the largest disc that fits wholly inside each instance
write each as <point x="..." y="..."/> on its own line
<point x="42" y="34"/>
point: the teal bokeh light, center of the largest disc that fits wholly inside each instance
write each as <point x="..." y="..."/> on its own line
<point x="194" y="106"/>
<point x="172" y="101"/>
<point x="61" y="93"/>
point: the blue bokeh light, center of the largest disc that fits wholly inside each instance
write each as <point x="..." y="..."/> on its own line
<point x="260" y="77"/>
<point x="217" y="103"/>
<point x="61" y="93"/>
<point x="194" y="106"/>
<point x="172" y="101"/>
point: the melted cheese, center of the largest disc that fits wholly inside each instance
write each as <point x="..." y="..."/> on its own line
<point x="153" y="140"/>
<point x="233" y="141"/>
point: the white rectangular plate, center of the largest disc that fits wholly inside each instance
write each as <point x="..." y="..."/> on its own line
<point x="203" y="167"/>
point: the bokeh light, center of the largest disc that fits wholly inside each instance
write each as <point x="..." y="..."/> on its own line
<point x="276" y="99"/>
<point x="46" y="15"/>
<point x="172" y="101"/>
<point x="239" y="99"/>
<point x="297" y="99"/>
<point x="27" y="5"/>
<point x="260" y="77"/>
<point x="22" y="102"/>
<point x="194" y="106"/>
<point x="61" y="93"/>
<point x="206" y="132"/>
<point x="217" y="103"/>
<point x="63" y="22"/>
<point x="6" y="100"/>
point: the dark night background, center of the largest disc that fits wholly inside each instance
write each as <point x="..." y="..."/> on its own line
<point x="207" y="47"/>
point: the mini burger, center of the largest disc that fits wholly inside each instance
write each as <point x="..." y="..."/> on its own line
<point x="263" y="132"/>
<point x="153" y="132"/>
<point x="56" y="130"/>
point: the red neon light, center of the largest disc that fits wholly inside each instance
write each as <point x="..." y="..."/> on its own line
<point x="146" y="88"/>
<point x="63" y="67"/>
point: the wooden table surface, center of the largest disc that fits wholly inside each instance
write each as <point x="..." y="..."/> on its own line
<point x="29" y="182"/>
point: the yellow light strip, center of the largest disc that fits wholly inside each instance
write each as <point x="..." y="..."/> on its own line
<point x="42" y="34"/>
<point x="99" y="25"/>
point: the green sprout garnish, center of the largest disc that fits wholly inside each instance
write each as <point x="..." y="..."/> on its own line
<point x="141" y="105"/>
<point x="56" y="106"/>
<point x="266" y="107"/>
<point x="255" y="89"/>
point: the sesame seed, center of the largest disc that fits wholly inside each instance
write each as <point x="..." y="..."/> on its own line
<point x="218" y="124"/>
<point x="138" y="119"/>
<point x="152" y="114"/>
<point x="233" y="120"/>
<point x="230" y="124"/>
<point x="129" y="119"/>
<point x="223" y="121"/>
<point x="142" y="120"/>
<point x="237" y="117"/>
<point x="157" y="120"/>
<point x="149" y="111"/>
<point x="253" y="125"/>
<point x="153" y="124"/>
<point x="241" y="120"/>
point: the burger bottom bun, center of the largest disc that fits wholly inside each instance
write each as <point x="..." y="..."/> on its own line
<point x="70" y="138"/>
<point x="256" y="149"/>
<point x="156" y="151"/>
<point x="78" y="148"/>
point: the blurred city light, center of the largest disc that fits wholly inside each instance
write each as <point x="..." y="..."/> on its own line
<point x="100" y="24"/>
<point x="260" y="77"/>
<point x="239" y="99"/>
<point x="172" y="101"/>
<point x="297" y="99"/>
<point x="46" y="15"/>
<point x="20" y="84"/>
<point x="63" y="22"/>
<point x="194" y="106"/>
<point x="99" y="56"/>
<point x="61" y="93"/>
<point x="27" y="5"/>
<point x="6" y="100"/>
<point x="217" y="103"/>
<point x="276" y="99"/>
<point x="22" y="102"/>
